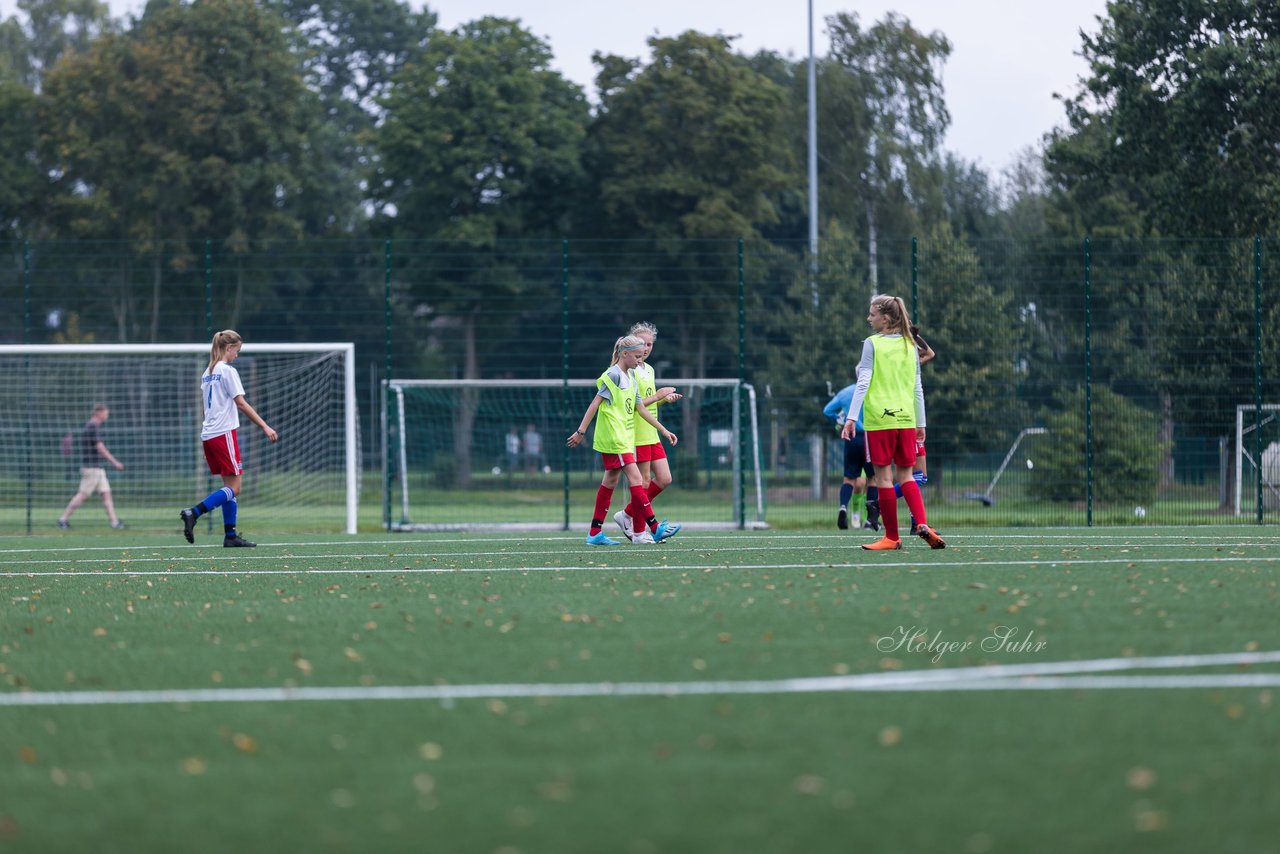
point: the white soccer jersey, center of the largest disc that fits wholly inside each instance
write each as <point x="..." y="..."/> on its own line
<point x="220" y="388"/>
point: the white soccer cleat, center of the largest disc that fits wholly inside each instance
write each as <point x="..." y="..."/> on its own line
<point x="624" y="522"/>
<point x="857" y="521"/>
<point x="644" y="538"/>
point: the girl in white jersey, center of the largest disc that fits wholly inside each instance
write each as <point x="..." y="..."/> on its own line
<point x="223" y="398"/>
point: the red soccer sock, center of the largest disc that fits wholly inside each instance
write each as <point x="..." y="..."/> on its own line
<point x="915" y="501"/>
<point x="889" y="514"/>
<point x="645" y="517"/>
<point x="603" y="496"/>
<point x="652" y="490"/>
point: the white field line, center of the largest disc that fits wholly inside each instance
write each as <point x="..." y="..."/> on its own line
<point x="1056" y="675"/>
<point x="870" y="564"/>
<point x="1210" y="539"/>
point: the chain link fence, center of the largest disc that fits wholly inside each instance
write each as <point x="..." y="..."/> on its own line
<point x="1076" y="382"/>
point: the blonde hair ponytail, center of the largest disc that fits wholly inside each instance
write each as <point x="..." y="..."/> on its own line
<point x="222" y="341"/>
<point x="625" y="344"/>
<point x="895" y="310"/>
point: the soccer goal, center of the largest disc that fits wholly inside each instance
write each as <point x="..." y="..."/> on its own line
<point x="490" y="454"/>
<point x="1251" y="471"/>
<point x="307" y="481"/>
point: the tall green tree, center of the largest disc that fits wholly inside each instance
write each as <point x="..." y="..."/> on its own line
<point x="689" y="146"/>
<point x="883" y="123"/>
<point x="30" y="48"/>
<point x="691" y="152"/>
<point x="21" y="181"/>
<point x="350" y="51"/>
<point x="481" y="144"/>
<point x="192" y="125"/>
<point x="1177" y="117"/>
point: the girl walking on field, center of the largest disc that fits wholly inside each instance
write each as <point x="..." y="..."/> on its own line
<point x="891" y="398"/>
<point x="223" y="401"/>
<point x="614" y="409"/>
<point x="651" y="457"/>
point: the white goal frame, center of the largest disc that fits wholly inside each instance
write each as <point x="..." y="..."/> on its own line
<point x="1243" y="430"/>
<point x="351" y="463"/>
<point x="396" y="388"/>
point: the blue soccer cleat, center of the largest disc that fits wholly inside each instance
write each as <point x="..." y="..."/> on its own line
<point x="666" y="530"/>
<point x="601" y="540"/>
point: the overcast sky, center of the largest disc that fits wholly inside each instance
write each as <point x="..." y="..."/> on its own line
<point x="1008" y="57"/>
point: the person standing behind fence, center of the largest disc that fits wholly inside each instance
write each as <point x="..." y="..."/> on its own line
<point x="651" y="457"/>
<point x="532" y="443"/>
<point x="892" y="399"/>
<point x="93" y="475"/>
<point x="614" y="409"/>
<point x="223" y="395"/>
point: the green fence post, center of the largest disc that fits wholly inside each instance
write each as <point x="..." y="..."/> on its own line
<point x="386" y="387"/>
<point x="1257" y="371"/>
<point x="743" y="416"/>
<point x="208" y="288"/>
<point x="915" y="281"/>
<point x="564" y="367"/>
<point x="1088" y="386"/>
<point x="26" y="339"/>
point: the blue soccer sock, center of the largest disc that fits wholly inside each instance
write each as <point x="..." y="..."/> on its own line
<point x="215" y="499"/>
<point x="229" y="517"/>
<point x="846" y="490"/>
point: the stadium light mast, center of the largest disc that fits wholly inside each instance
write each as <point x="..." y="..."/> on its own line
<point x="813" y="167"/>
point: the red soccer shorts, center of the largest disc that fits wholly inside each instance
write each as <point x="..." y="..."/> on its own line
<point x="617" y="461"/>
<point x="222" y="453"/>
<point x="892" y="447"/>
<point x="649" y="453"/>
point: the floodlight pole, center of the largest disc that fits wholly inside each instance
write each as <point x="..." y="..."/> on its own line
<point x="813" y="167"/>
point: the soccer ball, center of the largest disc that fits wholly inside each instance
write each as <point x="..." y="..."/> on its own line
<point x="1140" y="512"/>
<point x="1030" y="464"/>
<point x="497" y="469"/>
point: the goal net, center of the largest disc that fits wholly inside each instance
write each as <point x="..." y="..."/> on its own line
<point x="491" y="454"/>
<point x="307" y="481"/>
<point x="1257" y="468"/>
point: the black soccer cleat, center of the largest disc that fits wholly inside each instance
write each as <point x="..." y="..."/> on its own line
<point x="238" y="542"/>
<point x="188" y="525"/>
<point x="842" y="519"/>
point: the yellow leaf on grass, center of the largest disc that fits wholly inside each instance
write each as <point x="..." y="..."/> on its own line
<point x="890" y="736"/>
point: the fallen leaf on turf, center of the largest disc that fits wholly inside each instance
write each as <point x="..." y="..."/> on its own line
<point x="890" y="736"/>
<point x="244" y="743"/>
<point x="809" y="784"/>
<point x="1141" y="778"/>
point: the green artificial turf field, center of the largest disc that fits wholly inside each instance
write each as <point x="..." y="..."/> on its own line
<point x="1022" y="690"/>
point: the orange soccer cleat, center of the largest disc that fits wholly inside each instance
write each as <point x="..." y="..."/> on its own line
<point x="882" y="544"/>
<point x="931" y="537"/>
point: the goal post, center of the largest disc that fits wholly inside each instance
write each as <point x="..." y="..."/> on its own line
<point x="1258" y="430"/>
<point x="308" y="481"/>
<point x="491" y="454"/>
